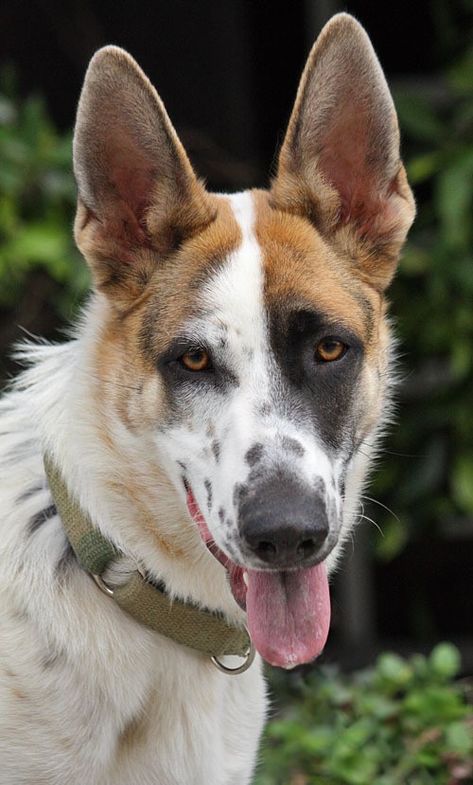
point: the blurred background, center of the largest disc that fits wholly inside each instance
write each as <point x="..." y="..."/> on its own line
<point x="227" y="71"/>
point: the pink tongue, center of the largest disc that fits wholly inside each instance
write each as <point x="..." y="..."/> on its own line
<point x="288" y="614"/>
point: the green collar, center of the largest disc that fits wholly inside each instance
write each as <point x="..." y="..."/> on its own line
<point x="185" y="623"/>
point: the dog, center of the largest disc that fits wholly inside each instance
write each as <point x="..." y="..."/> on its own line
<point x="201" y="442"/>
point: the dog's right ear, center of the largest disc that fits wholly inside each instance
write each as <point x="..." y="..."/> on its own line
<point x="138" y="195"/>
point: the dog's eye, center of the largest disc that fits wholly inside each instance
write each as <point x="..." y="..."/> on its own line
<point x="196" y="360"/>
<point x="330" y="349"/>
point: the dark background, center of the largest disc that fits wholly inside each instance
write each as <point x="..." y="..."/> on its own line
<point x="227" y="71"/>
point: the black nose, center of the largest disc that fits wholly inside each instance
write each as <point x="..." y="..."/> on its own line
<point x="283" y="523"/>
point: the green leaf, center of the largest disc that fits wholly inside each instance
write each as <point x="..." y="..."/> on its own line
<point x="394" y="670"/>
<point x="38" y="242"/>
<point x="445" y="660"/>
<point x="459" y="739"/>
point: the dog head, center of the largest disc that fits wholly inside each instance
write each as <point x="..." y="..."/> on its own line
<point x="245" y="344"/>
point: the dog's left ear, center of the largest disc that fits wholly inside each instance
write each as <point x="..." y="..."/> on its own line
<point x="139" y="198"/>
<point x="340" y="163"/>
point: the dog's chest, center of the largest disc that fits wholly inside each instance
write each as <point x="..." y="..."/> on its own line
<point x="170" y="720"/>
<point x="194" y="731"/>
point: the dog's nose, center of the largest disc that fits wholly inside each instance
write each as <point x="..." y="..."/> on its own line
<point x="283" y="523"/>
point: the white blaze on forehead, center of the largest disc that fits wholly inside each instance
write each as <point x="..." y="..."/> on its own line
<point x="235" y="294"/>
<point x="234" y="303"/>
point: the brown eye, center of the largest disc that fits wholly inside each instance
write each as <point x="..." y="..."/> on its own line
<point x="329" y="349"/>
<point x="196" y="360"/>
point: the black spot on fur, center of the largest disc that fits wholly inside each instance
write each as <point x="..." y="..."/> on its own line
<point x="292" y="445"/>
<point x="208" y="488"/>
<point x="216" y="449"/>
<point x="221" y="514"/>
<point x="23" y="497"/>
<point x="254" y="454"/>
<point x="41" y="517"/>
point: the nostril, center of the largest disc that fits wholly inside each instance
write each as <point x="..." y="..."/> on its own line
<point x="306" y="548"/>
<point x="266" y="550"/>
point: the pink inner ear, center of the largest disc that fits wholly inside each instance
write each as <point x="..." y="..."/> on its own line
<point x="135" y="187"/>
<point x="345" y="163"/>
<point x="132" y="178"/>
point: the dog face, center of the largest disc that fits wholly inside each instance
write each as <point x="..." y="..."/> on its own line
<point x="269" y="389"/>
<point x="245" y="345"/>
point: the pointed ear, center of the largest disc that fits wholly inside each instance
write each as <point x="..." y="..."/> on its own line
<point x="340" y="163"/>
<point x="138" y="195"/>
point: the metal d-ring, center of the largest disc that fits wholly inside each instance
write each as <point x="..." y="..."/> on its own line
<point x="102" y="585"/>
<point x="107" y="589"/>
<point x="249" y="657"/>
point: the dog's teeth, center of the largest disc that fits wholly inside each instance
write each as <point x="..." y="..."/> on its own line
<point x="245" y="578"/>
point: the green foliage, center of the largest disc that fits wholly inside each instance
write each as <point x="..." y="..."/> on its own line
<point x="428" y="482"/>
<point x="37" y="200"/>
<point x="403" y="722"/>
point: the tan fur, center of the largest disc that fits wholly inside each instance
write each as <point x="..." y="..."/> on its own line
<point x="302" y="267"/>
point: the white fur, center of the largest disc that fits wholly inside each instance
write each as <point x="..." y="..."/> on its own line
<point x="75" y="671"/>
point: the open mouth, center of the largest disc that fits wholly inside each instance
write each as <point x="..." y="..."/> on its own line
<point x="288" y="611"/>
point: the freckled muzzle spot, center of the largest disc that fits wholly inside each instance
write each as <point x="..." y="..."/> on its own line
<point x="292" y="445"/>
<point x="240" y="491"/>
<point x="264" y="409"/>
<point x="208" y="488"/>
<point x="254" y="454"/>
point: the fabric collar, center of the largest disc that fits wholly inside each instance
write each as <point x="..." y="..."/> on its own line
<point x="184" y="623"/>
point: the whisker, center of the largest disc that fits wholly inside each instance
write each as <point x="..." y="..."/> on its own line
<point x="365" y="518"/>
<point x="376" y="501"/>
